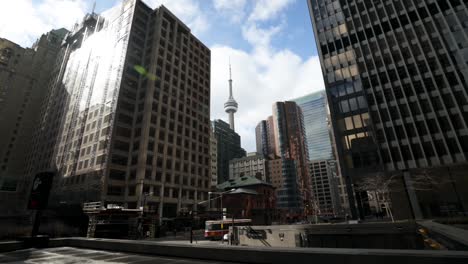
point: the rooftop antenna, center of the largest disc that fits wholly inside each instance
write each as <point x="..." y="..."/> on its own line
<point x="94" y="7"/>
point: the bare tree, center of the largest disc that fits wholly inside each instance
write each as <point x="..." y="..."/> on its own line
<point x="382" y="184"/>
<point x="378" y="185"/>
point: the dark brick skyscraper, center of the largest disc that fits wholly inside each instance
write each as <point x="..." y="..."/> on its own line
<point x="396" y="76"/>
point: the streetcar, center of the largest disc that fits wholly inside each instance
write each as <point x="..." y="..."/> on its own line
<point x="216" y="229"/>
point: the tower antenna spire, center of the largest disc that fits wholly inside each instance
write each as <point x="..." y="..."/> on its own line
<point x="230" y="75"/>
<point x="94" y="7"/>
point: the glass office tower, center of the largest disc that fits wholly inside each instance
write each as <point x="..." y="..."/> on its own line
<point x="314" y="108"/>
<point x="396" y="78"/>
<point x="325" y="176"/>
<point x="127" y="117"/>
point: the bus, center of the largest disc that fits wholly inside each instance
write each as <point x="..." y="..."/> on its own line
<point x="216" y="229"/>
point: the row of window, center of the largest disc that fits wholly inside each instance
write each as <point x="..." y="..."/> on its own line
<point x="425" y="149"/>
<point x="384" y="27"/>
<point x="115" y="190"/>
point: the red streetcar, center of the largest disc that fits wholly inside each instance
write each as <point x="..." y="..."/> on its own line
<point x="216" y="229"/>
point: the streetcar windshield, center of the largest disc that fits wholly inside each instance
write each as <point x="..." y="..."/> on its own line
<point x="210" y="227"/>
<point x="225" y="224"/>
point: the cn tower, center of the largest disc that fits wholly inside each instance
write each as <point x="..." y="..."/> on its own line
<point x="231" y="105"/>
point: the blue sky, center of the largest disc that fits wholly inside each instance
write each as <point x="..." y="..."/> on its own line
<point x="297" y="34"/>
<point x="270" y="44"/>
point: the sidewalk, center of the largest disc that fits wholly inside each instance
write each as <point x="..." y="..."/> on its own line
<point x="184" y="235"/>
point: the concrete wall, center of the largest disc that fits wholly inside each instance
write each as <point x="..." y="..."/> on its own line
<point x="384" y="236"/>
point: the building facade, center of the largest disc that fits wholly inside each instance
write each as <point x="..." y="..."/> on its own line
<point x="132" y="124"/>
<point x="324" y="184"/>
<point x="291" y="147"/>
<point x="254" y="165"/>
<point x="275" y="172"/>
<point x="24" y="73"/>
<point x="396" y="79"/>
<point x="229" y="147"/>
<point x="214" y="160"/>
<point x="253" y="199"/>
<point x="265" y="138"/>
<point x="315" y="110"/>
<point x="322" y="152"/>
<point x="261" y="137"/>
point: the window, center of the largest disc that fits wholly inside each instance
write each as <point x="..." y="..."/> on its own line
<point x="344" y="107"/>
<point x="117" y="175"/>
<point x="114" y="190"/>
<point x="118" y="159"/>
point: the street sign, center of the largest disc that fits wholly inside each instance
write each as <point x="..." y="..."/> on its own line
<point x="40" y="190"/>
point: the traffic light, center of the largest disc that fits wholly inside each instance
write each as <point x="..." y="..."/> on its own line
<point x="40" y="190"/>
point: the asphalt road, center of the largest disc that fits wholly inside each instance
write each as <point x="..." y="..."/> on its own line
<point x="69" y="255"/>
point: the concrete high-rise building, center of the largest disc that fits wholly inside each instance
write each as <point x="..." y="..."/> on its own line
<point x="321" y="153"/>
<point x="254" y="165"/>
<point x="24" y="74"/>
<point x="275" y="172"/>
<point x="214" y="160"/>
<point x="396" y="77"/>
<point x="324" y="183"/>
<point x="231" y="105"/>
<point x="229" y="147"/>
<point x="291" y="147"/>
<point x="128" y="112"/>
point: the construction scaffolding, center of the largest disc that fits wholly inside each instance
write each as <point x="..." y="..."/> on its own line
<point x="95" y="59"/>
<point x="116" y="222"/>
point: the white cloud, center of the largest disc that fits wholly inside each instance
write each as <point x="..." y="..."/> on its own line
<point x="23" y="22"/>
<point x="188" y="11"/>
<point x="228" y="4"/>
<point x="268" y="9"/>
<point x="259" y="36"/>
<point x="262" y="76"/>
<point x="234" y="9"/>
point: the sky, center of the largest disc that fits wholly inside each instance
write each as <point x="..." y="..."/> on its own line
<point x="270" y="44"/>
